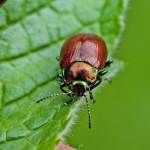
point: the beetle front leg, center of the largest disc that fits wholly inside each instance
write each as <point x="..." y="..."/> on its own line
<point x="95" y="85"/>
<point x="101" y="73"/>
<point x="62" y="85"/>
<point x="91" y="97"/>
<point x="72" y="99"/>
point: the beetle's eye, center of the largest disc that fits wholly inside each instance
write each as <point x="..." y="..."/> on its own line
<point x="87" y="88"/>
<point x="69" y="87"/>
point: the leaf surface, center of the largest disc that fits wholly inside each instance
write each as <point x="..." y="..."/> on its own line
<point x="31" y="36"/>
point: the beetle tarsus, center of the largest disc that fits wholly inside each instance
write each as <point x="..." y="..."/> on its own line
<point x="93" y="100"/>
<point x="91" y="97"/>
<point x="59" y="76"/>
<point x="72" y="98"/>
<point x="108" y="63"/>
<point x="58" y="57"/>
<point x="59" y="80"/>
<point x="67" y="103"/>
<point x="107" y="80"/>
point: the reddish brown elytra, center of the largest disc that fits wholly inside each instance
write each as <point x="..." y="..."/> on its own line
<point x="81" y="59"/>
<point x="87" y="48"/>
<point x="2" y="2"/>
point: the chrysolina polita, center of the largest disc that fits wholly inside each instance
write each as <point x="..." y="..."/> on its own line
<point x="82" y="58"/>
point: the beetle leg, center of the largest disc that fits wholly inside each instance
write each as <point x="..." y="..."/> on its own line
<point x="61" y="87"/>
<point x="60" y="75"/>
<point x="108" y="63"/>
<point x="108" y="80"/>
<point x="72" y="99"/>
<point x="91" y="97"/>
<point x="101" y="73"/>
<point x="95" y="85"/>
<point x="60" y="80"/>
<point x="58" y="57"/>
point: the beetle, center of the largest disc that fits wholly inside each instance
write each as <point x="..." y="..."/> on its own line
<point x="82" y="58"/>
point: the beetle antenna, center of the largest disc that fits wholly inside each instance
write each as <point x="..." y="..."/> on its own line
<point x="52" y="96"/>
<point x="88" y="111"/>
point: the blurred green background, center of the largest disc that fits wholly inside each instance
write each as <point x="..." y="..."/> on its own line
<point x="121" y="114"/>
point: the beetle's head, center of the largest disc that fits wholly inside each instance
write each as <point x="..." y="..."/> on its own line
<point x="79" y="87"/>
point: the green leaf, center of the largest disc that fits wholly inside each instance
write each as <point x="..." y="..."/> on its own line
<point x="31" y="36"/>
